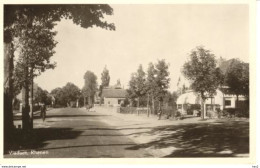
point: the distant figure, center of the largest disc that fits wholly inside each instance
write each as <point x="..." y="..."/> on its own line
<point x="43" y="111"/>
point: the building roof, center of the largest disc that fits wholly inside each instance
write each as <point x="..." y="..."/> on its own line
<point x="188" y="98"/>
<point x="114" y="93"/>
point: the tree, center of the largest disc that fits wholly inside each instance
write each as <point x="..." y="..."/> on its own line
<point x="150" y="86"/>
<point x="105" y="78"/>
<point x="137" y="86"/>
<point x="70" y="92"/>
<point x="84" y="15"/>
<point x="90" y="87"/>
<point x="41" y="96"/>
<point x="35" y="45"/>
<point x="162" y="81"/>
<point x="237" y="78"/>
<point x="57" y="93"/>
<point x="67" y="94"/>
<point x="203" y="74"/>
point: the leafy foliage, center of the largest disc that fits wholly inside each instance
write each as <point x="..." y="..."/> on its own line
<point x="237" y="77"/>
<point x="201" y="70"/>
<point x="150" y="80"/>
<point x="35" y="46"/>
<point x="137" y="86"/>
<point x="90" y="86"/>
<point x="105" y="78"/>
<point x="84" y="15"/>
<point x="63" y="96"/>
<point x="42" y="96"/>
<point x="162" y="79"/>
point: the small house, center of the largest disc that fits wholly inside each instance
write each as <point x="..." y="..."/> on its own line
<point x="113" y="96"/>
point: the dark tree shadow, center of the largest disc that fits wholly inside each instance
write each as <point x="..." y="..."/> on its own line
<point x="37" y="138"/>
<point x="217" y="139"/>
<point x="37" y="116"/>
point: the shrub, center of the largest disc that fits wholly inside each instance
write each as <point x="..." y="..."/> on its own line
<point x="235" y="112"/>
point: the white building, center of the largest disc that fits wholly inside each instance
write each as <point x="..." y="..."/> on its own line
<point x="190" y="101"/>
<point x="113" y="96"/>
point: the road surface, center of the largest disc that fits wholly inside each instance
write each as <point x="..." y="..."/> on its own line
<point x="76" y="133"/>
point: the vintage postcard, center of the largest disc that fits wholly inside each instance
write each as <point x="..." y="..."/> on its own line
<point x="150" y="82"/>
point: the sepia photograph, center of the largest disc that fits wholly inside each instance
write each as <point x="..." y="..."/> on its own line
<point x="126" y="81"/>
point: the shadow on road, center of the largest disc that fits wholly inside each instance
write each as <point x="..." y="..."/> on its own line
<point x="218" y="139"/>
<point x="73" y="116"/>
<point x="60" y="116"/>
<point x="37" y="138"/>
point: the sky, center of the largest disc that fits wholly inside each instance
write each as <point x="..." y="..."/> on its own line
<point x="144" y="34"/>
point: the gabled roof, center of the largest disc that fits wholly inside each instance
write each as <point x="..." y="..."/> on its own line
<point x="114" y="93"/>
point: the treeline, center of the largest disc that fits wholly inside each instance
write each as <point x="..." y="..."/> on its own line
<point x="67" y="96"/>
<point x="150" y="88"/>
<point x="72" y="96"/>
<point x="205" y="73"/>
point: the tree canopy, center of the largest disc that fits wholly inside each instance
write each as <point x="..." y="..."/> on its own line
<point x="237" y="77"/>
<point x="162" y="79"/>
<point x="202" y="71"/>
<point x="86" y="16"/>
<point x="150" y="79"/>
<point x="137" y="84"/>
<point x="63" y="96"/>
<point x="105" y="77"/>
<point x="41" y="96"/>
<point x="90" y="86"/>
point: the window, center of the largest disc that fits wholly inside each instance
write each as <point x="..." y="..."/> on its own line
<point x="227" y="102"/>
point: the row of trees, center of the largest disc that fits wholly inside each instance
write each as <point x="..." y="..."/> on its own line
<point x="204" y="72"/>
<point x="70" y="93"/>
<point x="153" y="84"/>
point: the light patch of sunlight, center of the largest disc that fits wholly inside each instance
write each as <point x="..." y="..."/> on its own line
<point x="225" y="152"/>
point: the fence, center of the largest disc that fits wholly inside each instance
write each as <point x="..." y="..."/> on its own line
<point x="169" y="111"/>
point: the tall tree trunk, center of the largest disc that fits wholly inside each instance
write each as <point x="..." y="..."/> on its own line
<point x="8" y="90"/>
<point x="236" y="105"/>
<point x="160" y="110"/>
<point x="148" y="111"/>
<point x="31" y="103"/>
<point x="153" y="105"/>
<point x="25" y="101"/>
<point x="90" y="101"/>
<point x="84" y="101"/>
<point x="202" y="109"/>
<point x="138" y="104"/>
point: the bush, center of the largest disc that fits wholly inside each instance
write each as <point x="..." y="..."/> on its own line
<point x="178" y="115"/>
<point x="235" y="112"/>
